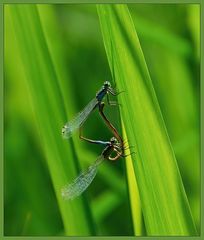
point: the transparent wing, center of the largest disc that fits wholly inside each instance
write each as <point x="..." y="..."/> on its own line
<point x="80" y="118"/>
<point x="80" y="184"/>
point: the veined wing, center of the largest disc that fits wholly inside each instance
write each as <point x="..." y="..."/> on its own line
<point x="80" y="184"/>
<point x="80" y="118"/>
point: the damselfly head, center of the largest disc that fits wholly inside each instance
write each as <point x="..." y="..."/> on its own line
<point x="113" y="140"/>
<point x="107" y="84"/>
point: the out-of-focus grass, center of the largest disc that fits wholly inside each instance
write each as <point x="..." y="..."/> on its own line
<point x="73" y="39"/>
<point x="193" y="12"/>
<point x="27" y="182"/>
<point x="57" y="56"/>
<point x="49" y="108"/>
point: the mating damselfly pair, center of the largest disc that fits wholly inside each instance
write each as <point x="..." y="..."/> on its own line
<point x="113" y="149"/>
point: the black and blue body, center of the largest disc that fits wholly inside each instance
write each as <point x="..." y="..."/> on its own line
<point x="105" y="90"/>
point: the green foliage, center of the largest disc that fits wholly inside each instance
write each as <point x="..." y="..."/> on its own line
<point x="54" y="64"/>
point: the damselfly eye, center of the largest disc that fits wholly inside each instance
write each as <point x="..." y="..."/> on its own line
<point x="113" y="140"/>
<point x="107" y="84"/>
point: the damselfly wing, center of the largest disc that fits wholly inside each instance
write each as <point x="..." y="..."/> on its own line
<point x="71" y="126"/>
<point x="81" y="183"/>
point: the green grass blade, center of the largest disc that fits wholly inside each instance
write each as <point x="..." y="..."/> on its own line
<point x="165" y="206"/>
<point x="133" y="193"/>
<point x="48" y="106"/>
<point x="181" y="114"/>
<point x="180" y="106"/>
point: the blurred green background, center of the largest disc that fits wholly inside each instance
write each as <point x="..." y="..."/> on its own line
<point x="169" y="35"/>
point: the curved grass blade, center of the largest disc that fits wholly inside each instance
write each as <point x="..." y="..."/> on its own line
<point x="134" y="196"/>
<point x="164" y="203"/>
<point x="49" y="109"/>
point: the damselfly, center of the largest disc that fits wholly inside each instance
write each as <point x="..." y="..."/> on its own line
<point x="112" y="151"/>
<point x="81" y="117"/>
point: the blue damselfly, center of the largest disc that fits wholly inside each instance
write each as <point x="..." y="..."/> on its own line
<point x="71" y="126"/>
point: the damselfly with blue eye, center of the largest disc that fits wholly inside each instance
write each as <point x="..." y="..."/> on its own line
<point x="81" y="183"/>
<point x="70" y="127"/>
